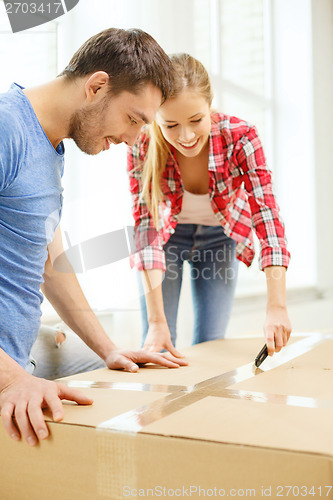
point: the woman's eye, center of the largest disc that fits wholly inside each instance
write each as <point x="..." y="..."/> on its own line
<point x="134" y="122"/>
<point x="171" y="126"/>
<point x="197" y="121"/>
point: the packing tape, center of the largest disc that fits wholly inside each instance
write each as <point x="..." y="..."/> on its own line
<point x="125" y="386"/>
<point x="117" y="455"/>
<point x="135" y="420"/>
<point x="116" y="459"/>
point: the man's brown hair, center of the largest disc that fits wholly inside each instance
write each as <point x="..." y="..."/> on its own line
<point x="130" y="57"/>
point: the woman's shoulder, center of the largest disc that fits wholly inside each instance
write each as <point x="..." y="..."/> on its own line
<point x="229" y="125"/>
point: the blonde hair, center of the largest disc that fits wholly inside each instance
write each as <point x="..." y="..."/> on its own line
<point x="188" y="73"/>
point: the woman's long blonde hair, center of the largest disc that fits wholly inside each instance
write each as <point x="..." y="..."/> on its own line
<point x="188" y="73"/>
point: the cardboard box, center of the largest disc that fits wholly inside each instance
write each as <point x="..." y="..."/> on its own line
<point x="217" y="428"/>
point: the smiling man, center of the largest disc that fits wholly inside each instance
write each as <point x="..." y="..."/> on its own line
<point x="113" y="85"/>
<point x="94" y="128"/>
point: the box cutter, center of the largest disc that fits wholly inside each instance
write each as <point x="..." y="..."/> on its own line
<point x="261" y="356"/>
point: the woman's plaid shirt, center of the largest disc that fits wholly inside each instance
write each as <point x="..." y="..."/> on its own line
<point x="241" y="196"/>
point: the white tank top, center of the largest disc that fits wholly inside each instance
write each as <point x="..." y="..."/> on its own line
<point x="197" y="209"/>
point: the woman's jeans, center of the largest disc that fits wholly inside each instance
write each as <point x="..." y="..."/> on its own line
<point x="213" y="273"/>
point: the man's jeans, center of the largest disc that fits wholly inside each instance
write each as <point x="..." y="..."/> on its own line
<point x="213" y="272"/>
<point x="56" y="354"/>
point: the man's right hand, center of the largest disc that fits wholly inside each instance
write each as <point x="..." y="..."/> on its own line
<point x="25" y="396"/>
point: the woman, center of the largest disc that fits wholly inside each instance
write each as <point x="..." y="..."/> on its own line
<point x="200" y="185"/>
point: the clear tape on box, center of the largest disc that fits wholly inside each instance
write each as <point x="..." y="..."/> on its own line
<point x="117" y="456"/>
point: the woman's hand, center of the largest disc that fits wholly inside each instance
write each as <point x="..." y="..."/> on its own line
<point x="131" y="360"/>
<point x="158" y="338"/>
<point x="277" y="328"/>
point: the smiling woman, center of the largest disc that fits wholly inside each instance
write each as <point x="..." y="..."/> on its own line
<point x="188" y="132"/>
<point x="201" y="187"/>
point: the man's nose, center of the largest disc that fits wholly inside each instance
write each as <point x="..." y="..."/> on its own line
<point x="131" y="136"/>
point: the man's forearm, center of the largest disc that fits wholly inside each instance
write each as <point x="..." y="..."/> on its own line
<point x="65" y="294"/>
<point x="9" y="370"/>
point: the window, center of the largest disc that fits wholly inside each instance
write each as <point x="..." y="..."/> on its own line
<point x="29" y="57"/>
<point x="261" y="71"/>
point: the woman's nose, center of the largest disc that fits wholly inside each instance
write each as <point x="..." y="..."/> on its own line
<point x="186" y="134"/>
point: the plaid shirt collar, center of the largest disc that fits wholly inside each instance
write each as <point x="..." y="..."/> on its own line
<point x="215" y="155"/>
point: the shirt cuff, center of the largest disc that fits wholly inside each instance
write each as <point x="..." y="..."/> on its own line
<point x="274" y="257"/>
<point x="148" y="258"/>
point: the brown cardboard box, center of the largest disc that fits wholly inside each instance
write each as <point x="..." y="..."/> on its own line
<point x="217" y="428"/>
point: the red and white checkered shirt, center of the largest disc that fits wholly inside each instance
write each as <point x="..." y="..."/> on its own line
<point x="240" y="189"/>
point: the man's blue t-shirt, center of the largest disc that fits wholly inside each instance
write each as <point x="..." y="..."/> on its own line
<point x="30" y="209"/>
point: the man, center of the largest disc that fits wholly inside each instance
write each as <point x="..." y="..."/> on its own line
<point x="112" y="86"/>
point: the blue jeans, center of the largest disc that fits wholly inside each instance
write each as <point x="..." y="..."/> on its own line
<point x="213" y="272"/>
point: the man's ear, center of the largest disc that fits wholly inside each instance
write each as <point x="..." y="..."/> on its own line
<point x="96" y="85"/>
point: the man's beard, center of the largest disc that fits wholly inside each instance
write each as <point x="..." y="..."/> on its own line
<point x="85" y="127"/>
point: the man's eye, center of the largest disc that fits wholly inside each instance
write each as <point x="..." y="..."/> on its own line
<point x="134" y="122"/>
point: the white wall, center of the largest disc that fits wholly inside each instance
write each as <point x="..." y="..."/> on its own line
<point x="294" y="128"/>
<point x="322" y="77"/>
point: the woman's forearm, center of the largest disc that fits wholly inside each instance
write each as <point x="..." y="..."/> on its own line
<point x="152" y="284"/>
<point x="276" y="286"/>
<point x="277" y="327"/>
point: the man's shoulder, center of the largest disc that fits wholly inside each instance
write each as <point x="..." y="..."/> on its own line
<point x="13" y="141"/>
<point x="12" y="128"/>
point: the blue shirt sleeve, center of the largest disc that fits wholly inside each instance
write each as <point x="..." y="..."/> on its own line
<point x="12" y="148"/>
